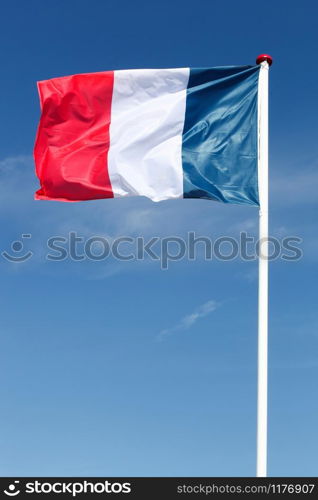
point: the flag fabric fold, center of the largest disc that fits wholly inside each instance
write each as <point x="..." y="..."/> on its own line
<point x="159" y="133"/>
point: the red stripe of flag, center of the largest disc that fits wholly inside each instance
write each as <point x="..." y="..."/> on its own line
<point x="73" y="137"/>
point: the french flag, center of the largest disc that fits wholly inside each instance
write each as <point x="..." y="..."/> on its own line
<point x="159" y="133"/>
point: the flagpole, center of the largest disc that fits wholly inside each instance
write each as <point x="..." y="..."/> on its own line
<point x="261" y="467"/>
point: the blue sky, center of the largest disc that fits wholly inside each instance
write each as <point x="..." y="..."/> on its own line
<point x="87" y="387"/>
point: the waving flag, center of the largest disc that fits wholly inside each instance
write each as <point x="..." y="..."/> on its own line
<point x="159" y="133"/>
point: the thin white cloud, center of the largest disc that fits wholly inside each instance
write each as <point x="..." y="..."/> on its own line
<point x="190" y="319"/>
<point x="298" y="187"/>
<point x="13" y="162"/>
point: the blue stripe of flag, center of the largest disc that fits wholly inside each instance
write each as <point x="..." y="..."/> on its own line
<point x="219" y="142"/>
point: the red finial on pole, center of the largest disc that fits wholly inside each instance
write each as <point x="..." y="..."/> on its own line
<point x="264" y="57"/>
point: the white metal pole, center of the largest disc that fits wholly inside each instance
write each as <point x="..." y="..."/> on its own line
<point x="261" y="467"/>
